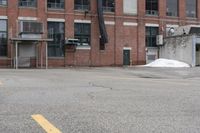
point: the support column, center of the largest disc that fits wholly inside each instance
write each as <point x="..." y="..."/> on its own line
<point x="16" y="55"/>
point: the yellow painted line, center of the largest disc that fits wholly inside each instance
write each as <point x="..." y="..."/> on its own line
<point x="45" y="124"/>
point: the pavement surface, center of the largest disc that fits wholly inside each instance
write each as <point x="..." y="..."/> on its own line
<point x="100" y="100"/>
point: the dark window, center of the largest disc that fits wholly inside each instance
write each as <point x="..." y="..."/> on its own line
<point x="56" y="30"/>
<point x="151" y="33"/>
<point x="172" y="8"/>
<point x="29" y="27"/>
<point x="3" y="2"/>
<point x="109" y="5"/>
<point x="152" y="7"/>
<point x="82" y="4"/>
<point x="27" y="3"/>
<point x="56" y="4"/>
<point x="191" y="8"/>
<point x="3" y="37"/>
<point x="82" y="33"/>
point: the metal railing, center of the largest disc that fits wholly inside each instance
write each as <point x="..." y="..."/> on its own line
<point x="55" y="5"/>
<point x="27" y="3"/>
<point x="3" y="2"/>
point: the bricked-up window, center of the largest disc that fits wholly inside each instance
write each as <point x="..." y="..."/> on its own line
<point x="82" y="4"/>
<point x="152" y="7"/>
<point x="151" y="33"/>
<point x="27" y="3"/>
<point x="57" y="31"/>
<point x="3" y="37"/>
<point x="3" y="2"/>
<point x="109" y="5"/>
<point x="56" y="4"/>
<point x="172" y="8"/>
<point x="82" y="33"/>
<point x="191" y="8"/>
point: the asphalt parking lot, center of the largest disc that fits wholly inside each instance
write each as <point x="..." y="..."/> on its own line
<point x="100" y="100"/>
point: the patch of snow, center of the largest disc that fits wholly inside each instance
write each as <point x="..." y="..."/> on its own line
<point x="167" y="63"/>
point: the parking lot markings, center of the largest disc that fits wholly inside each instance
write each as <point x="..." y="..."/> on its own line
<point x="45" y="124"/>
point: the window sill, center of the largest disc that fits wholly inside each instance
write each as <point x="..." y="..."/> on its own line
<point x="4" y="6"/>
<point x="56" y="9"/>
<point x="83" y="47"/>
<point x="149" y="15"/>
<point x="24" y="7"/>
<point x="4" y="58"/>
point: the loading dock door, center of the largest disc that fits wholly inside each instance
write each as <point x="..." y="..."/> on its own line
<point x="26" y="52"/>
<point x="126" y="57"/>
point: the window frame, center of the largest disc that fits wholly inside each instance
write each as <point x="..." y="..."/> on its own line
<point x="1" y="2"/>
<point x="54" y="43"/>
<point x="6" y="41"/>
<point x="177" y="9"/>
<point x="196" y="9"/>
<point x="151" y="12"/>
<point x="29" y="3"/>
<point x="82" y="6"/>
<point x="107" y="8"/>
<point x="56" y="7"/>
<point x="150" y="40"/>
<point x="82" y="35"/>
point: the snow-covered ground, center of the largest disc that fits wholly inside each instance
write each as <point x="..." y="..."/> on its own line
<point x="167" y="63"/>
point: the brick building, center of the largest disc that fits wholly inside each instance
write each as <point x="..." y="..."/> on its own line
<point x="131" y="26"/>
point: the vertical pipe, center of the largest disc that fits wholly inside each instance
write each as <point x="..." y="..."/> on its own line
<point x="41" y="56"/>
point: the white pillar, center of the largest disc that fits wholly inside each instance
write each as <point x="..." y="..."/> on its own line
<point x="16" y="55"/>
<point x="46" y="55"/>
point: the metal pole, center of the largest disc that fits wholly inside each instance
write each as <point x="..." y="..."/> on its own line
<point x="46" y="55"/>
<point x="41" y="56"/>
<point x="16" y="55"/>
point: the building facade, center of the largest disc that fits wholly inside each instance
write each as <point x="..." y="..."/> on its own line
<point x="131" y="26"/>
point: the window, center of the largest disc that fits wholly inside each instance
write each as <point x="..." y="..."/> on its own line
<point x="3" y="2"/>
<point x="27" y="3"/>
<point x="152" y="7"/>
<point x="151" y="33"/>
<point x="56" y="30"/>
<point x="172" y="8"/>
<point x="130" y="6"/>
<point x="109" y="5"/>
<point x="82" y="4"/>
<point x="31" y="27"/>
<point x="191" y="8"/>
<point x="3" y="37"/>
<point x="56" y="4"/>
<point x="82" y="33"/>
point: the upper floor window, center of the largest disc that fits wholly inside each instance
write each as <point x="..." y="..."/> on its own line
<point x="172" y="8"/>
<point x="130" y="6"/>
<point x="56" y="4"/>
<point x="82" y="33"/>
<point x="27" y="3"/>
<point x="3" y="37"/>
<point x="109" y="5"/>
<point x="3" y="2"/>
<point x="152" y="7"/>
<point x="82" y="4"/>
<point x="191" y="8"/>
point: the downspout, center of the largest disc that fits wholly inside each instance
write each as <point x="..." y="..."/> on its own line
<point x="102" y="27"/>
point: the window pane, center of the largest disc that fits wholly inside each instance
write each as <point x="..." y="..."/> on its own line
<point x="152" y="7"/>
<point x="191" y="8"/>
<point x="56" y="30"/>
<point x="109" y="5"/>
<point x="3" y="25"/>
<point x="82" y="33"/>
<point x="151" y="33"/>
<point x="172" y="8"/>
<point x="3" y="37"/>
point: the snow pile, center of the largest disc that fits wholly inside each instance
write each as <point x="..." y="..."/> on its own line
<point x="167" y="63"/>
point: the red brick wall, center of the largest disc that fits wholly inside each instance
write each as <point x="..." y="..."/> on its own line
<point x="119" y="36"/>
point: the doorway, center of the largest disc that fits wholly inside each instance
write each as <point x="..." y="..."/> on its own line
<point x="126" y="57"/>
<point x="197" y="55"/>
